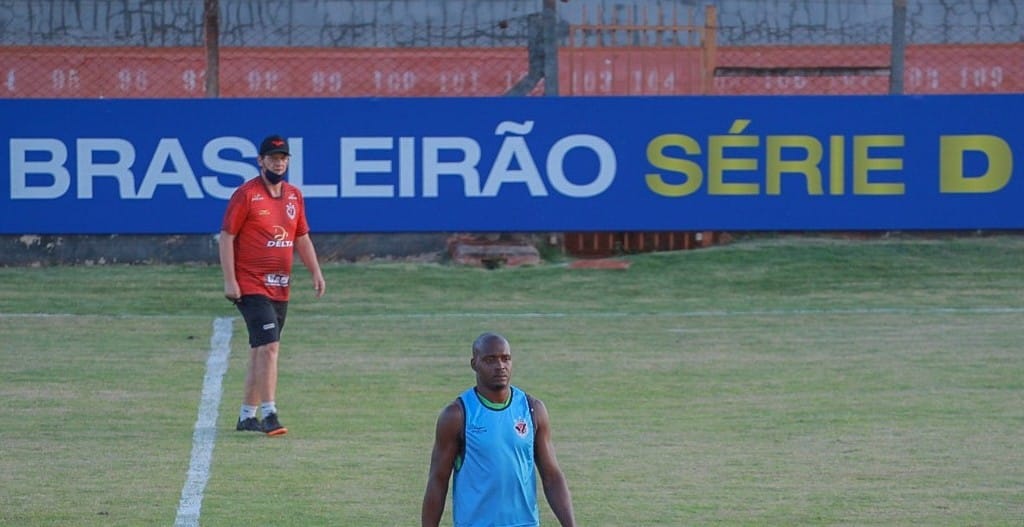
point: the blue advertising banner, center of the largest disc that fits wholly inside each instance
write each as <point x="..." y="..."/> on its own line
<point x="522" y="164"/>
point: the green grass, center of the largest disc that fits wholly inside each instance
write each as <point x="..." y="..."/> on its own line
<point x="790" y="381"/>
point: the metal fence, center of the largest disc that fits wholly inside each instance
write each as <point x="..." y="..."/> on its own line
<point x="396" y="48"/>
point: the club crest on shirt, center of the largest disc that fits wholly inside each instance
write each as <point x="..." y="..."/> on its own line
<point x="290" y="211"/>
<point x="521" y="428"/>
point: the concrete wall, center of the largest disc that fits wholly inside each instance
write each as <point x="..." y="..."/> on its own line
<point x="41" y="251"/>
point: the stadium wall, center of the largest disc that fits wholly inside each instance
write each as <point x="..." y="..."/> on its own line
<point x="953" y="47"/>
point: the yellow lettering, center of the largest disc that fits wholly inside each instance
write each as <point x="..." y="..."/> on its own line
<point x="951" y="162"/>
<point x="863" y="163"/>
<point x="718" y="164"/>
<point x="808" y="166"/>
<point x="836" y="170"/>
<point x="693" y="175"/>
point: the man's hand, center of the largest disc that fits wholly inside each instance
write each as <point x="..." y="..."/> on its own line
<point x="319" y="285"/>
<point x="232" y="292"/>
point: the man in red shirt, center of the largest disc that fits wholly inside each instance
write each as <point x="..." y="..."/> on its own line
<point x="264" y="225"/>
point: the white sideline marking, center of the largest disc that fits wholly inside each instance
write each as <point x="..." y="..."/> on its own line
<point x="206" y="426"/>
<point x="699" y="313"/>
<point x="993" y="310"/>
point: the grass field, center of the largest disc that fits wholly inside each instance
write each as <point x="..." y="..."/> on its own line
<point x="773" y="381"/>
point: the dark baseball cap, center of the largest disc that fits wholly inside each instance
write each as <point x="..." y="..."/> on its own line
<point x="274" y="144"/>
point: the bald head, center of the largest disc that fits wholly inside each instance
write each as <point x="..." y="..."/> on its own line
<point x="492" y="362"/>
<point x="488" y="341"/>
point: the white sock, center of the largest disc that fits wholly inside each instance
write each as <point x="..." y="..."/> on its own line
<point x="267" y="408"/>
<point x="248" y="410"/>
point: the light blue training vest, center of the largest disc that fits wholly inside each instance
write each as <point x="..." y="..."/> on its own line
<point x="495" y="479"/>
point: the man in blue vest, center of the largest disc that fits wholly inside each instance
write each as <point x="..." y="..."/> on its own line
<point x="495" y="438"/>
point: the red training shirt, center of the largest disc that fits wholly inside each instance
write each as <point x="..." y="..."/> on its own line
<point x="265" y="230"/>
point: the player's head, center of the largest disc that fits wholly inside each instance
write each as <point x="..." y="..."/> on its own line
<point x="274" y="157"/>
<point x="274" y="144"/>
<point x="492" y="361"/>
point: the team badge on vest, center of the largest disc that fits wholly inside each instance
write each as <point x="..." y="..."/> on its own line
<point x="521" y="427"/>
<point x="289" y="209"/>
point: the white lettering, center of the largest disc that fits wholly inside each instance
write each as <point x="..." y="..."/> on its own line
<point x="465" y="168"/>
<point x="21" y="167"/>
<point x="371" y="167"/>
<point x="407" y="167"/>
<point x="295" y="174"/>
<point x="352" y="167"/>
<point x="243" y="170"/>
<point x="605" y="157"/>
<point x="120" y="169"/>
<point x="277" y="280"/>
<point x="169" y="151"/>
<point x="514" y="149"/>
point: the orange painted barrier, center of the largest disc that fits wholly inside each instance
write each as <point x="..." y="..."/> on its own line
<point x="630" y="71"/>
<point x="928" y="69"/>
<point x="258" y="72"/>
<point x="63" y="72"/>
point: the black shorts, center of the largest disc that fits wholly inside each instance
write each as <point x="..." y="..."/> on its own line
<point x="264" y="318"/>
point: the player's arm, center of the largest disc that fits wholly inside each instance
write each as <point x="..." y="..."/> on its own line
<point x="447" y="442"/>
<point x="307" y="253"/>
<point x="556" y="489"/>
<point x="226" y="248"/>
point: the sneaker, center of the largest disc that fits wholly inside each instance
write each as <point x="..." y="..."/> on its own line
<point x="272" y="427"/>
<point x="250" y="424"/>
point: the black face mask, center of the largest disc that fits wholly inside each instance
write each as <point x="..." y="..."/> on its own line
<point x="272" y="177"/>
